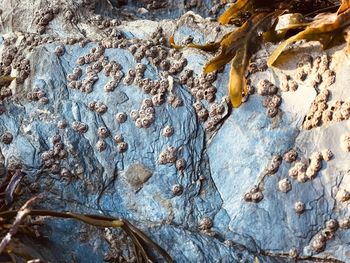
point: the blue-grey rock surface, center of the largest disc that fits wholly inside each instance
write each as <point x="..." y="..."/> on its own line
<point x="107" y="119"/>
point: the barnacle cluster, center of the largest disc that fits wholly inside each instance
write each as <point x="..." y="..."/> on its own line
<point x="169" y="155"/>
<point x="315" y="70"/>
<point x="202" y="88"/>
<point x="145" y="116"/>
<point x="201" y="111"/>
<point x="43" y="18"/>
<point x="317" y="112"/>
<point x="216" y="114"/>
<point x="12" y="58"/>
<point x="37" y="95"/>
<point x="80" y="127"/>
<point x="339" y="111"/>
<point x="205" y="224"/>
<point x="52" y="158"/>
<point x="321" y="110"/>
<point x="204" y="91"/>
<point x="254" y="195"/>
<point x="290" y="156"/>
<point x="97" y="107"/>
<point x="303" y="172"/>
<point x="7" y="57"/>
<point x="114" y="70"/>
<point x="5" y="93"/>
<point x="103" y="22"/>
<point x="274" y="165"/>
<point x="318" y="243"/>
<point x="287" y="83"/>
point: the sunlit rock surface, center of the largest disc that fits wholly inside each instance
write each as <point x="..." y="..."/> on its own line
<point x="187" y="191"/>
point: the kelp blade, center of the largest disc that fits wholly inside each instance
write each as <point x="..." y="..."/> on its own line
<point x="231" y="42"/>
<point x="345" y="5"/>
<point x="237" y="81"/>
<point x="235" y="11"/>
<point x="210" y="47"/>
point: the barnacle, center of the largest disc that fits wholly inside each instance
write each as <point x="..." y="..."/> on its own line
<point x="257" y="20"/>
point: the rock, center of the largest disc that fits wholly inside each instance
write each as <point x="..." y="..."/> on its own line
<point x="138" y="139"/>
<point x="136" y="175"/>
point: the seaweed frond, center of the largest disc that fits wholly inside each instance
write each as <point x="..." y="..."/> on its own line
<point x="323" y="29"/>
<point x="13" y="222"/>
<point x="303" y="20"/>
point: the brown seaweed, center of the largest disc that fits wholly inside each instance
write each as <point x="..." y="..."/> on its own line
<point x="260" y="17"/>
<point x="6" y="80"/>
<point x="323" y="29"/>
<point x="140" y="240"/>
<point x="235" y="11"/>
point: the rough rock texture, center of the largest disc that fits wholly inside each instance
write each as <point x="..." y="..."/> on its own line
<point x="187" y="191"/>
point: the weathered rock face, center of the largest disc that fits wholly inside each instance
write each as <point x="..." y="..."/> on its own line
<point x="105" y="118"/>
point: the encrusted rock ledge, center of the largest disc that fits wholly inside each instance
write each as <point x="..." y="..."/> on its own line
<point x="105" y="117"/>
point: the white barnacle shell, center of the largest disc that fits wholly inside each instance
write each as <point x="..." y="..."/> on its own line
<point x="121" y="117"/>
<point x="290" y="156"/>
<point x="257" y="197"/>
<point x="103" y="132"/>
<point x="332" y="225"/>
<point x="302" y="177"/>
<point x="344" y="223"/>
<point x="316" y="156"/>
<point x="146" y="122"/>
<point x="318" y="245"/>
<point x="284" y="185"/>
<point x="205" y="223"/>
<point x="247" y="197"/>
<point x="147" y="102"/>
<point x="162" y="159"/>
<point x="134" y="114"/>
<point x="327" y="155"/>
<point x="343" y="195"/>
<point x="345" y="142"/>
<point x="122" y="147"/>
<point x="138" y="123"/>
<point x="59" y="50"/>
<point x="311" y="172"/>
<point x="118" y="138"/>
<point x="177" y="189"/>
<point x="168" y="131"/>
<point x="101" y="145"/>
<point x="299" y="207"/>
<point x="180" y="164"/>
